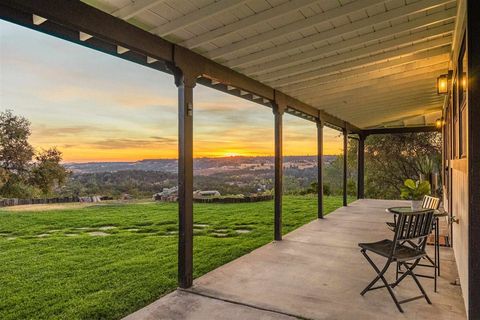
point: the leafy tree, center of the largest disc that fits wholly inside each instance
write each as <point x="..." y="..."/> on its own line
<point x="393" y="158"/>
<point x="22" y="173"/>
<point x="15" y="150"/>
<point x="47" y="172"/>
<point x="333" y="172"/>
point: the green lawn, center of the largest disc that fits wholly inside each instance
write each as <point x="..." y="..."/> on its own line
<point x="52" y="267"/>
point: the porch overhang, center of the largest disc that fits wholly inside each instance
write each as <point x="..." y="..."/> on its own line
<point x="362" y="67"/>
<point x="358" y="65"/>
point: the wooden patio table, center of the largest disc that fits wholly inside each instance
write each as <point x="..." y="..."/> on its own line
<point x="437" y="214"/>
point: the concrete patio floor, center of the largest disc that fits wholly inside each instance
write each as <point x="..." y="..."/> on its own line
<point x="316" y="272"/>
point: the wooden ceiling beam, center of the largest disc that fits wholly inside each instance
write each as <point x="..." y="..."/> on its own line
<point x="362" y="40"/>
<point x="413" y="129"/>
<point x="400" y="111"/>
<point x="372" y="105"/>
<point x="398" y="115"/>
<point x="196" y="16"/>
<point x="397" y="13"/>
<point x="368" y="51"/>
<point x="394" y="54"/>
<point x="247" y="22"/>
<point x="416" y="60"/>
<point x="431" y="71"/>
<point x="135" y="8"/>
<point x="293" y="27"/>
<point x="373" y="77"/>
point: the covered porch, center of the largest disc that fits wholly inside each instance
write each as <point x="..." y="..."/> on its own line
<point x="361" y="67"/>
<point x="316" y="272"/>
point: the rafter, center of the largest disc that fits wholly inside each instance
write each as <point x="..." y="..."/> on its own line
<point x="352" y="105"/>
<point x="424" y="36"/>
<point x="424" y="127"/>
<point x="431" y="69"/>
<point x="196" y="16"/>
<point x="378" y="114"/>
<point x="397" y="13"/>
<point x="374" y="87"/>
<point x="135" y="8"/>
<point x="420" y="59"/>
<point x="397" y="111"/>
<point x="352" y="42"/>
<point x="366" y="104"/>
<point x="247" y="22"/>
<point x="366" y="120"/>
<point x="400" y="96"/>
<point x="293" y="27"/>
<point x="38" y="20"/>
<point x="408" y="50"/>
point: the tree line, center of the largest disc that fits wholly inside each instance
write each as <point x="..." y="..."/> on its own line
<point x="389" y="160"/>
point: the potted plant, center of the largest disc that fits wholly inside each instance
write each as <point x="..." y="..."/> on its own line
<point x="414" y="191"/>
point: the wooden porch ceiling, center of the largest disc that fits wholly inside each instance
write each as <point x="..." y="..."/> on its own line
<point x="359" y="64"/>
<point x="345" y="57"/>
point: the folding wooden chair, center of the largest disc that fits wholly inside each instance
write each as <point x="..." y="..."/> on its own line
<point x="411" y="227"/>
<point x="427" y="203"/>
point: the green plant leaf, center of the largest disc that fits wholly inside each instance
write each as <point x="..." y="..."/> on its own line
<point x="409" y="183"/>
<point x="424" y="188"/>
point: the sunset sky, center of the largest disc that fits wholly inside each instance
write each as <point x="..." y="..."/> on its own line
<point x="95" y="107"/>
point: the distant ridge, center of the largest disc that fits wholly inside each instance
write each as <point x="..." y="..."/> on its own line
<point x="170" y="165"/>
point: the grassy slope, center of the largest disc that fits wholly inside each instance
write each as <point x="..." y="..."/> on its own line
<point x="86" y="277"/>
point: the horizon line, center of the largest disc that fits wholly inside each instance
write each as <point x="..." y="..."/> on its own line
<point x="212" y="157"/>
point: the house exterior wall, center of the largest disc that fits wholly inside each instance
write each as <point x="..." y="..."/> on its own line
<point x="460" y="211"/>
<point x="461" y="150"/>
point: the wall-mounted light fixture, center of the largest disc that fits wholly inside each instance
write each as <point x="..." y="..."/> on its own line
<point x="442" y="84"/>
<point x="439" y="123"/>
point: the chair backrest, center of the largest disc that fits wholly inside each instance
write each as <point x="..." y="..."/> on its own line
<point x="430" y="202"/>
<point x="414" y="226"/>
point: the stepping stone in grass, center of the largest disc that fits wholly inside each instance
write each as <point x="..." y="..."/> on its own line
<point x="220" y="235"/>
<point x="71" y="234"/>
<point x="200" y="225"/>
<point x="132" y="230"/>
<point x="11" y="238"/>
<point x="107" y="228"/>
<point x="43" y="235"/>
<point x="98" y="234"/>
<point x="172" y="232"/>
<point x="221" y="230"/>
<point x="243" y="231"/>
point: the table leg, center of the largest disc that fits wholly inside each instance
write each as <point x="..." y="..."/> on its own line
<point x="435" y="267"/>
<point x="437" y="243"/>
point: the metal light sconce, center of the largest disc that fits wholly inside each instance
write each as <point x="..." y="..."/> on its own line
<point x="439" y="123"/>
<point x="442" y="84"/>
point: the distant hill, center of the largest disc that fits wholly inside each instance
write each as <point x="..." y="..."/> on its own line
<point x="170" y="165"/>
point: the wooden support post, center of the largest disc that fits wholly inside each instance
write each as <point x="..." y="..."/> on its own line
<point x="320" y="167"/>
<point x="279" y="107"/>
<point x="345" y="152"/>
<point x="361" y="167"/>
<point x="185" y="84"/>
<point x="473" y="155"/>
